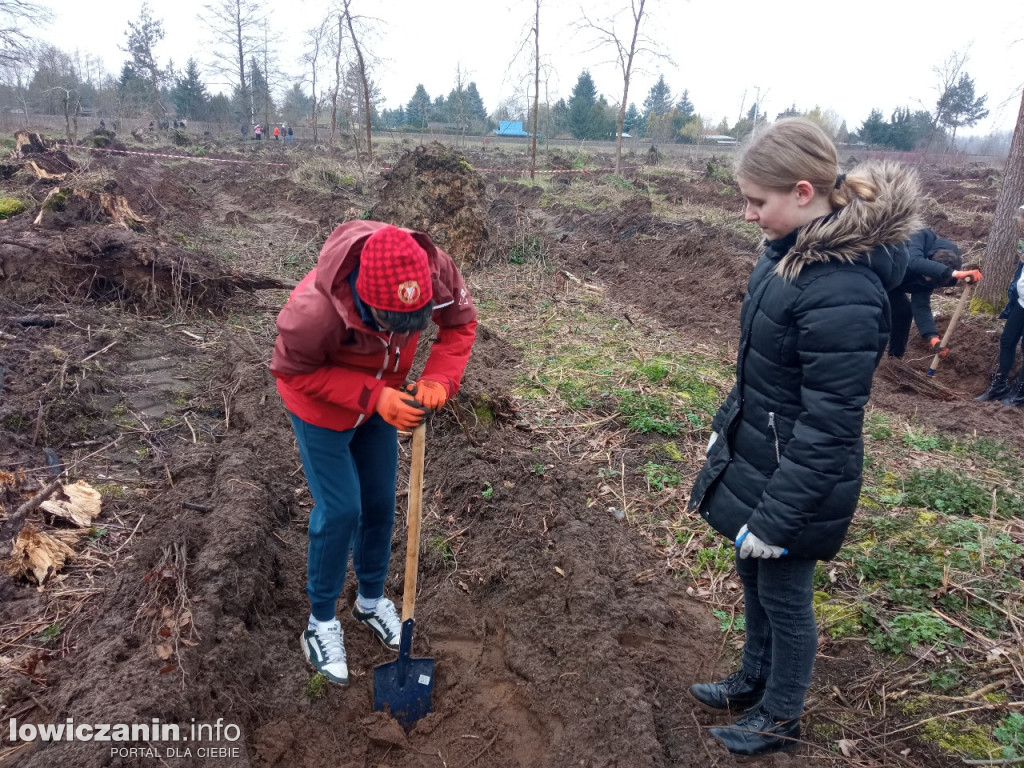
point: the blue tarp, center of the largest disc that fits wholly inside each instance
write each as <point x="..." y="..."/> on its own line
<point x="511" y="128"/>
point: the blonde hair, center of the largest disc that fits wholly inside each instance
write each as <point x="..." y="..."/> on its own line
<point x="797" y="149"/>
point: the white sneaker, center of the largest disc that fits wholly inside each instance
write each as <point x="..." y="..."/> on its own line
<point x="383" y="621"/>
<point x="324" y="648"/>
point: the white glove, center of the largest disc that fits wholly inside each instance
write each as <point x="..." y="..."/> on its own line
<point x="751" y="546"/>
<point x="714" y="436"/>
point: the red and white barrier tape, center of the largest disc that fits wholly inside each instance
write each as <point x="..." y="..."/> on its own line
<point x="177" y="157"/>
<point x="519" y="171"/>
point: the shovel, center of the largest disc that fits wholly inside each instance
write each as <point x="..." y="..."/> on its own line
<point x="944" y="344"/>
<point x="405" y="686"/>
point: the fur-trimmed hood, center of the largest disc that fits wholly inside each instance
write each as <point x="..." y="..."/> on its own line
<point x="863" y="231"/>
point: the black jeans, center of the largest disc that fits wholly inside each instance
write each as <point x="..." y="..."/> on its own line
<point x="1013" y="332"/>
<point x="782" y="633"/>
<point x="902" y="314"/>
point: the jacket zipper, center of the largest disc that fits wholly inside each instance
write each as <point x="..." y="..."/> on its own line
<point x="775" y="433"/>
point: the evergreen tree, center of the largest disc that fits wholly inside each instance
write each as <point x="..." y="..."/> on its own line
<point x="189" y="94"/>
<point x="874" y="130"/>
<point x="440" y="110"/>
<point x="581" y="107"/>
<point x="418" y="108"/>
<point x="958" y="107"/>
<point x="263" y="104"/>
<point x="788" y="112"/>
<point x="143" y="36"/>
<point x="685" y="107"/>
<point x="559" y="117"/>
<point x="475" y="108"/>
<point x="633" y="123"/>
<point x="133" y="94"/>
<point x="659" y="99"/>
<point x="297" y="105"/>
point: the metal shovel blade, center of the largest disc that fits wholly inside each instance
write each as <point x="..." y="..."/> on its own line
<point x="404" y="687"/>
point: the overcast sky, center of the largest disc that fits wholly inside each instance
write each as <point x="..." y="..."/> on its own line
<point x="848" y="58"/>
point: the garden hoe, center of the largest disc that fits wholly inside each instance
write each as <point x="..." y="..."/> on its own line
<point x="405" y="686"/>
<point x="944" y="344"/>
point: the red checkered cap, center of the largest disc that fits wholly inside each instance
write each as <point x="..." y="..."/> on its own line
<point x="394" y="274"/>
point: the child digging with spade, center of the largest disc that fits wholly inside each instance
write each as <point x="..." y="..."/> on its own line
<point x="346" y="341"/>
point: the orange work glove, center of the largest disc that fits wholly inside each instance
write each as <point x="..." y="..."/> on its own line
<point x="968" y="275"/>
<point x="399" y="409"/>
<point x="431" y="394"/>
<point x="934" y="343"/>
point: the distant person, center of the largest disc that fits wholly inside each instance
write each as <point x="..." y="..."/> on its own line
<point x="259" y="132"/>
<point x="277" y="133"/>
<point x="1013" y="333"/>
<point x="934" y="263"/>
<point x="784" y="463"/>
<point x="346" y="342"/>
<point x="291" y="140"/>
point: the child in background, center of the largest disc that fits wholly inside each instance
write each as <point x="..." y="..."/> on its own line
<point x="934" y="263"/>
<point x="1013" y="332"/>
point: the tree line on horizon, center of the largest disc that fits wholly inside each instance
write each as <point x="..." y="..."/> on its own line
<point x="39" y="78"/>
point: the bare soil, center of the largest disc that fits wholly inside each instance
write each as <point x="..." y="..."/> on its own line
<point x="133" y="355"/>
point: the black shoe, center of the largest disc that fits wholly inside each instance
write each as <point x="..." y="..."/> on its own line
<point x="996" y="390"/>
<point x="1016" y="395"/>
<point x="757" y="732"/>
<point x="737" y="691"/>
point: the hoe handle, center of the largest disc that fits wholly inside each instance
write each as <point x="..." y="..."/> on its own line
<point x="952" y="324"/>
<point x="412" y="549"/>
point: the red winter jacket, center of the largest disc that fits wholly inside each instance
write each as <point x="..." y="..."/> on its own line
<point x="331" y="367"/>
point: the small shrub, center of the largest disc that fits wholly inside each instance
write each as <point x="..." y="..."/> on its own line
<point x="316" y="688"/>
<point x="11" y="206"/>
<point x="1010" y="735"/>
<point x="728" y="622"/>
<point x="660" y="477"/>
<point x="915" y="630"/>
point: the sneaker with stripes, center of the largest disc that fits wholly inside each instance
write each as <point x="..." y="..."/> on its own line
<point x="382" y="620"/>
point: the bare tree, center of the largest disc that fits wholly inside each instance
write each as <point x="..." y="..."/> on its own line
<point x="17" y="17"/>
<point x="536" y="87"/>
<point x="336" y="87"/>
<point x="235" y="25"/>
<point x="361" y="65"/>
<point x="71" y="103"/>
<point x="626" y="55"/>
<point x="1001" y="252"/>
<point x="318" y="38"/>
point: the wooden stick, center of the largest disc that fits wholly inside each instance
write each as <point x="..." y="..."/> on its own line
<point x="12" y="526"/>
<point x="949" y="329"/>
<point x="412" y="550"/>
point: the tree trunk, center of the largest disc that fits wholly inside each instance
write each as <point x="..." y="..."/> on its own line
<point x="536" y="90"/>
<point x="1001" y="254"/>
<point x="365" y="81"/>
<point x="337" y="86"/>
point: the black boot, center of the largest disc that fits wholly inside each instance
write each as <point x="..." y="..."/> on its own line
<point x="758" y="733"/>
<point x="997" y="389"/>
<point x="1016" y="395"/>
<point x="737" y="691"/>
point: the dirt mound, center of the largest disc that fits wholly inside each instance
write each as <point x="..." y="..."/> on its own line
<point x="433" y="189"/>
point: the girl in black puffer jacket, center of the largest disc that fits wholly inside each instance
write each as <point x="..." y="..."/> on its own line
<point x="783" y="472"/>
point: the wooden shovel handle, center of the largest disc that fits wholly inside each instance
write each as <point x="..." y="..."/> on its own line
<point x="949" y="328"/>
<point x="412" y="549"/>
